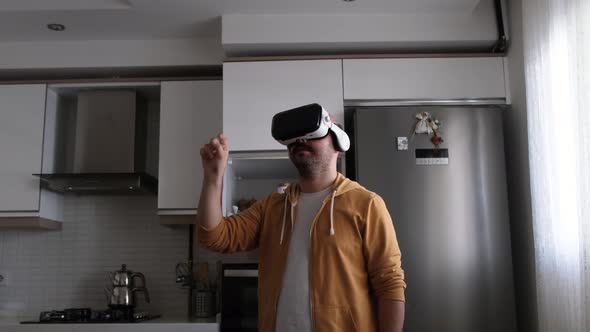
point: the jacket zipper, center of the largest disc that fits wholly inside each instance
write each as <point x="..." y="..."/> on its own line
<point x="276" y="304"/>
<point x="309" y="281"/>
<point x="309" y="274"/>
<point x="274" y="326"/>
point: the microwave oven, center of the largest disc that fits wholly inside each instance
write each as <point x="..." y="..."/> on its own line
<point x="239" y="297"/>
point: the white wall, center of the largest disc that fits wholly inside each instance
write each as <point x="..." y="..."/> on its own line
<point x="110" y="53"/>
<point x="260" y="34"/>
<point x="516" y="148"/>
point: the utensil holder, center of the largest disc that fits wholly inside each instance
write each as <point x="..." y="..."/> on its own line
<point x="203" y="303"/>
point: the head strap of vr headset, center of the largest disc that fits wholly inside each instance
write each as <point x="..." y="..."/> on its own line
<point x="339" y="136"/>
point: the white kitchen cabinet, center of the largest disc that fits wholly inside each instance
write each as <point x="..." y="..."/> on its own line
<point x="254" y="91"/>
<point x="424" y="79"/>
<point x="22" y="110"/>
<point x="190" y="114"/>
<point x="27" y="121"/>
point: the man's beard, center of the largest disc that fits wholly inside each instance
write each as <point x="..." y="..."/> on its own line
<point x="312" y="165"/>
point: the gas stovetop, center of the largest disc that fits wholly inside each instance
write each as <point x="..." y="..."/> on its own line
<point x="88" y="316"/>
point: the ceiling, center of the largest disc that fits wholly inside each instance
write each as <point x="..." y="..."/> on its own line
<point x="26" y="20"/>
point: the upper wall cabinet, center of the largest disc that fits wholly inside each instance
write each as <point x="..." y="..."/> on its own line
<point x="424" y="79"/>
<point x="22" y="110"/>
<point x="190" y="114"/>
<point x="255" y="91"/>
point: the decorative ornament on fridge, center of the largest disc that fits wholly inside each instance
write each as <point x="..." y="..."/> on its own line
<point x="428" y="124"/>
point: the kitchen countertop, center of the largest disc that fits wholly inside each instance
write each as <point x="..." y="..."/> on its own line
<point x="161" y="324"/>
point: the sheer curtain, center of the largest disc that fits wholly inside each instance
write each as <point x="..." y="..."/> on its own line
<point x="557" y="73"/>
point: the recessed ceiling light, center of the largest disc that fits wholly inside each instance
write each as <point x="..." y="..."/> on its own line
<point x="348" y="0"/>
<point x="56" y="27"/>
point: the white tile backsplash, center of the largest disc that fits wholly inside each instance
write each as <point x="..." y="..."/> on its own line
<point x="49" y="270"/>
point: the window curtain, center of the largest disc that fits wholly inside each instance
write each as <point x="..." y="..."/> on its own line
<point x="557" y="74"/>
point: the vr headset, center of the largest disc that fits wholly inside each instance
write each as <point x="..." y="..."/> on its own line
<point x="307" y="122"/>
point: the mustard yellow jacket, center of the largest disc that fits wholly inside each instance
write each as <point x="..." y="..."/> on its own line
<point x="354" y="256"/>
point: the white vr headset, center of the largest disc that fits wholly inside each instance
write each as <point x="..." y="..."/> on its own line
<point x="307" y="122"/>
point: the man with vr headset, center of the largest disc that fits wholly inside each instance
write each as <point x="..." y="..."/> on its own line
<point x="328" y="254"/>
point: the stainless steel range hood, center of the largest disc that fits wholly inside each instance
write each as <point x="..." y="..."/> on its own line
<point x="100" y="183"/>
<point x="107" y="147"/>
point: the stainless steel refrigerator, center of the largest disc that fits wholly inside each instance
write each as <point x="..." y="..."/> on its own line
<point x="450" y="211"/>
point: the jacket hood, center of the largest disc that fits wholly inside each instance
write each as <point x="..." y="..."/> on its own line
<point x="342" y="185"/>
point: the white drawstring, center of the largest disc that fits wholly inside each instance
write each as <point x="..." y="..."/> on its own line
<point x="332" y="231"/>
<point x="332" y="214"/>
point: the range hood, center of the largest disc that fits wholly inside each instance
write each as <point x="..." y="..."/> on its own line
<point x="104" y="147"/>
<point x="100" y="183"/>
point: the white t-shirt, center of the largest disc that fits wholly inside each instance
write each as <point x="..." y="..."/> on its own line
<point x="293" y="311"/>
